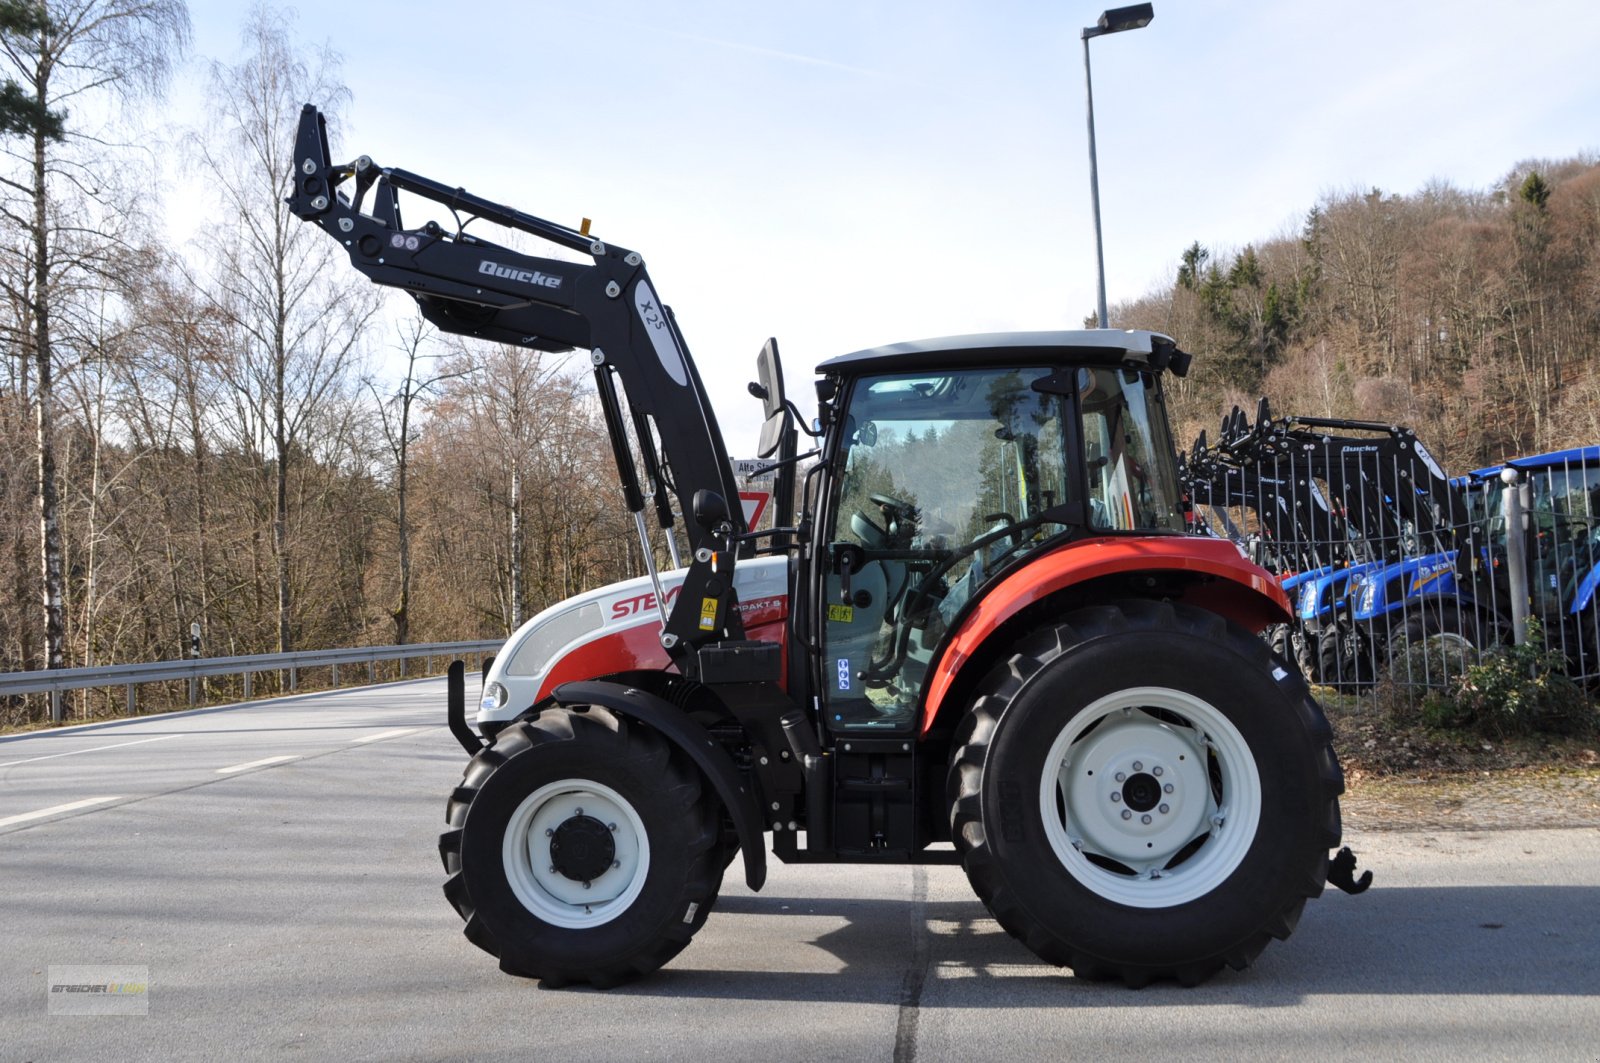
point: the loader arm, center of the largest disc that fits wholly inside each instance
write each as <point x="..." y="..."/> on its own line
<point x="468" y="285"/>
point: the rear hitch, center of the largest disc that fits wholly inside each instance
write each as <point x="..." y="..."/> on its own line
<point x="1342" y="873"/>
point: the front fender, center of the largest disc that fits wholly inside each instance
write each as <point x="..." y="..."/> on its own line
<point x="696" y="742"/>
<point x="1223" y="581"/>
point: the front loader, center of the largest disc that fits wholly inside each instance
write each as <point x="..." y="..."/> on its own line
<point x="984" y="640"/>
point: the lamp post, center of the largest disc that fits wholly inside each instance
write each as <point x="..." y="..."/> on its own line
<point x="1113" y="21"/>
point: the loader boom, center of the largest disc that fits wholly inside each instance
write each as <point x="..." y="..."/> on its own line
<point x="468" y="285"/>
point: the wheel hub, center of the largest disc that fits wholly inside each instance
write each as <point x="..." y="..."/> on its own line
<point x="576" y="853"/>
<point x="1136" y="790"/>
<point x="1142" y="792"/>
<point x="581" y="848"/>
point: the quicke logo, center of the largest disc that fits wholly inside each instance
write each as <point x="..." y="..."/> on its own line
<point x="534" y="277"/>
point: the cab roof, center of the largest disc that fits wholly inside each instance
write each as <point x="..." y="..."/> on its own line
<point x="1552" y="460"/>
<point x="1138" y="347"/>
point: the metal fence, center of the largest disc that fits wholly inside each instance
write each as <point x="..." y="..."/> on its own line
<point x="1398" y="575"/>
<point x="57" y="681"/>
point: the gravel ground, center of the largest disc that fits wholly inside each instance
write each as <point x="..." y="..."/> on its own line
<point x="1532" y="799"/>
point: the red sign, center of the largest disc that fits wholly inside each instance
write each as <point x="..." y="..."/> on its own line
<point x="755" y="504"/>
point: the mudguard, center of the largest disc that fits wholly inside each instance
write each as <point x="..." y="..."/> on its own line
<point x="1233" y="586"/>
<point x="697" y="743"/>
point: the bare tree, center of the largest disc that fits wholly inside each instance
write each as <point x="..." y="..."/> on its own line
<point x="68" y="52"/>
<point x="396" y="414"/>
<point x="300" y="322"/>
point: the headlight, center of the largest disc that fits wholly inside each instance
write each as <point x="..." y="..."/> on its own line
<point x="494" y="697"/>
<point x="1369" y="594"/>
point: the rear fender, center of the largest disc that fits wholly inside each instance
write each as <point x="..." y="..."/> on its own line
<point x="698" y="745"/>
<point x="1214" y="574"/>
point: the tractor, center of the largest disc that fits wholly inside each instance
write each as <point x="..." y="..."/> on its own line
<point x="977" y="634"/>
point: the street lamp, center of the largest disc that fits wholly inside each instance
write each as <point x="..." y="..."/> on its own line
<point x="1113" y="21"/>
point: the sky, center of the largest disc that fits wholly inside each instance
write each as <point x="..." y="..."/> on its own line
<point x="845" y="174"/>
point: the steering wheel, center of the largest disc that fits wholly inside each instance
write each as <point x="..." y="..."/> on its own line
<point x="891" y="506"/>
<point x="1016" y="535"/>
<point x="918" y="597"/>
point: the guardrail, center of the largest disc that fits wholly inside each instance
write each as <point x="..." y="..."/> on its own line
<point x="56" y="681"/>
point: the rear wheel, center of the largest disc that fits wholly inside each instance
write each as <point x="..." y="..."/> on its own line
<point x="1437" y="643"/>
<point x="1145" y="792"/>
<point x="581" y="848"/>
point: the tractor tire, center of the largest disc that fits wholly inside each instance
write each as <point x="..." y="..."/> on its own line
<point x="1280" y="638"/>
<point x="582" y="848"/>
<point x="1347" y="670"/>
<point x="1144" y="792"/>
<point x="1437" y="642"/>
<point x="1305" y="655"/>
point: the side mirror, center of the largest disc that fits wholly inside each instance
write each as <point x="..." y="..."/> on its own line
<point x="769" y="388"/>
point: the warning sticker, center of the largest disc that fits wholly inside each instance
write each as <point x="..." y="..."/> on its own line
<point x="842" y="614"/>
<point x="708" y="614"/>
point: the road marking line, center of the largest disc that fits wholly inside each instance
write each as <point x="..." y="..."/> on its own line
<point x="95" y="749"/>
<point x="263" y="762"/>
<point x="378" y="737"/>
<point x="56" y="810"/>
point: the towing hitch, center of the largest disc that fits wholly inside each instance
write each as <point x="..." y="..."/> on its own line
<point x="1342" y="873"/>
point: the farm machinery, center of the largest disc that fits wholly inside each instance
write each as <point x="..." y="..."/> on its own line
<point x="984" y="639"/>
<point x="1404" y="555"/>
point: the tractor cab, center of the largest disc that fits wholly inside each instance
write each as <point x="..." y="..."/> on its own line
<point x="950" y="461"/>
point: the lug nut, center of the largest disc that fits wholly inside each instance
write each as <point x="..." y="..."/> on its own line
<point x="1138" y="766"/>
<point x="1115" y="796"/>
<point x="1164" y="809"/>
<point x="586" y="885"/>
<point x="611" y="826"/>
<point x="1156" y="771"/>
<point x="1167" y="789"/>
<point x="616" y="863"/>
<point x="1125" y="815"/>
<point x="577" y="812"/>
<point x="1122" y="776"/>
<point x="549" y="833"/>
<point x="1145" y="819"/>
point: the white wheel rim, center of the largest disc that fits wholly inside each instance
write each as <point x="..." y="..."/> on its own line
<point x="1181" y="772"/>
<point x="530" y="869"/>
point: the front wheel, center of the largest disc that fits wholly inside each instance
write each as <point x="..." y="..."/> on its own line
<point x="581" y="848"/>
<point x="1436" y="645"/>
<point x="1343" y="660"/>
<point x="1144" y="791"/>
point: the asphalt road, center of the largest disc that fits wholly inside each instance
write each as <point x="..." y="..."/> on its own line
<point x="290" y="908"/>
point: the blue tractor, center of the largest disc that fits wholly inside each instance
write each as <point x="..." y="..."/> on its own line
<point x="1468" y="606"/>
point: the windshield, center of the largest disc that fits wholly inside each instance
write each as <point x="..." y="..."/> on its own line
<point x="939" y="461"/>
